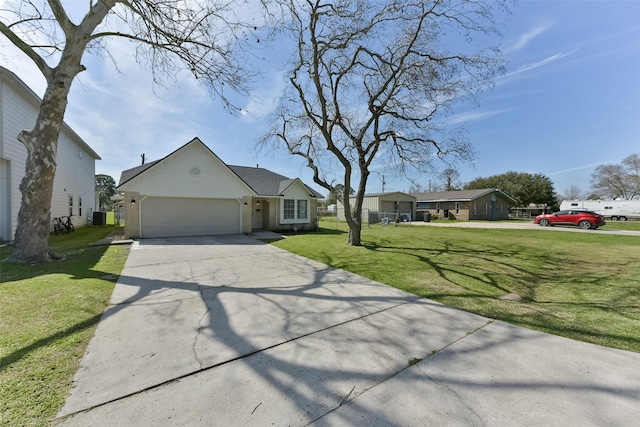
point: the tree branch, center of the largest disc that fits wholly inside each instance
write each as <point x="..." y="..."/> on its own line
<point x="26" y="48"/>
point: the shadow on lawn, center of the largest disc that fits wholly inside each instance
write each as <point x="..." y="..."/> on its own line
<point x="18" y="354"/>
<point x="491" y="273"/>
<point x="76" y="264"/>
<point x="76" y="257"/>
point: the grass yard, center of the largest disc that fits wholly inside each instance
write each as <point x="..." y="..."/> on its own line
<point x="48" y="314"/>
<point x="622" y="225"/>
<point x="584" y="286"/>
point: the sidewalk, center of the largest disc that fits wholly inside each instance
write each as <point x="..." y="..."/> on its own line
<point x="113" y="238"/>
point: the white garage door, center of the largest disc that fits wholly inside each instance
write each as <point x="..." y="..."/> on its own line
<point x="173" y="217"/>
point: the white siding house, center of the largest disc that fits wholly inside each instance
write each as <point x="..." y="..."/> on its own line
<point x="74" y="183"/>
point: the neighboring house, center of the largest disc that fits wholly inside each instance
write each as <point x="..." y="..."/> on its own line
<point x="383" y="205"/>
<point x="488" y="204"/>
<point x="74" y="183"/>
<point x="191" y="192"/>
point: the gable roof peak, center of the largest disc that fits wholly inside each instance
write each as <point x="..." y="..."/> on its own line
<point x="261" y="181"/>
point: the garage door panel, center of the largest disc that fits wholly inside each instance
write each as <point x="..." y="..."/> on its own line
<point x="173" y="217"/>
<point x="388" y="206"/>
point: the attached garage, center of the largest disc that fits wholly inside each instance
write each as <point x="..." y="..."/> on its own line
<point x="177" y="217"/>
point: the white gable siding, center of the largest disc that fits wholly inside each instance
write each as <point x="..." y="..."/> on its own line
<point x="176" y="176"/>
<point x="297" y="191"/>
<point x="75" y="174"/>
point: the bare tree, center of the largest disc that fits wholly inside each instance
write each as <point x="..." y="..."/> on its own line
<point x="202" y="36"/>
<point x="573" y="193"/>
<point x="416" y="188"/>
<point x="369" y="80"/>
<point x="450" y="179"/>
<point x="618" y="181"/>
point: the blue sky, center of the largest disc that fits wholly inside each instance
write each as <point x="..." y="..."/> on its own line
<point x="569" y="101"/>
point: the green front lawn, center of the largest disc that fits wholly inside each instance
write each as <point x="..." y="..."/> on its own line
<point x="48" y="314"/>
<point x="584" y="286"/>
<point x="622" y="225"/>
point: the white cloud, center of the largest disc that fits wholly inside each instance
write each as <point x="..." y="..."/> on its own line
<point x="522" y="41"/>
<point x="542" y="63"/>
<point x="475" y="115"/>
<point x="576" y="169"/>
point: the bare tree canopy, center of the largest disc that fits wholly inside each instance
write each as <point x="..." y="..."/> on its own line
<point x="369" y="81"/>
<point x="205" y="37"/>
<point x="450" y="179"/>
<point x="618" y="181"/>
<point x="573" y="193"/>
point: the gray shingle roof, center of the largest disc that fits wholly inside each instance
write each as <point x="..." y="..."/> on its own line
<point x="459" y="195"/>
<point x="267" y="183"/>
<point x="130" y="173"/>
<point x="262" y="181"/>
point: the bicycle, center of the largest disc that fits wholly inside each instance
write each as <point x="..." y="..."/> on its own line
<point x="68" y="225"/>
<point x="58" y="226"/>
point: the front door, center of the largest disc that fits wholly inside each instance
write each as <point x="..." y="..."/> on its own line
<point x="258" y="206"/>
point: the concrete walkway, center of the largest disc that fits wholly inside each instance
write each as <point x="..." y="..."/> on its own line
<point x="230" y="331"/>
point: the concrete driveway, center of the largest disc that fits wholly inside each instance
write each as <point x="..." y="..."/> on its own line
<point x="230" y="331"/>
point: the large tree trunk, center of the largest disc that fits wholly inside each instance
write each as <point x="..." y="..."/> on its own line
<point x="34" y="217"/>
<point x="354" y="236"/>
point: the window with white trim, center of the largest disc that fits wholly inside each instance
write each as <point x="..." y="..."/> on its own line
<point x="295" y="210"/>
<point x="302" y="212"/>
<point x="79" y="206"/>
<point x="289" y="209"/>
<point x="457" y="208"/>
<point x="70" y="205"/>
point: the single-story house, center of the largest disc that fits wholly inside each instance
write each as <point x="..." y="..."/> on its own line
<point x="74" y="182"/>
<point x="487" y="204"/>
<point x="376" y="206"/>
<point x="191" y="192"/>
